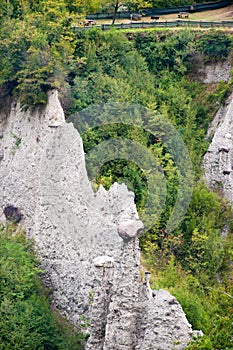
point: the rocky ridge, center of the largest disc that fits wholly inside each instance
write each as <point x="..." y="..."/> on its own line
<point x="87" y="241"/>
<point x="218" y="161"/>
<point x="214" y="72"/>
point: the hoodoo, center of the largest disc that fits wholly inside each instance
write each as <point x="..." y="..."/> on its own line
<point x="91" y="256"/>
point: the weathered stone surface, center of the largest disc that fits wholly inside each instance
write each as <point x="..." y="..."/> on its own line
<point x="45" y="177"/>
<point x="104" y="261"/>
<point x="215" y="72"/>
<point x="218" y="161"/>
<point x="12" y="214"/>
<point x="101" y="301"/>
<point x="166" y="325"/>
<point x="121" y="321"/>
<point x="93" y="272"/>
<point x="129" y="229"/>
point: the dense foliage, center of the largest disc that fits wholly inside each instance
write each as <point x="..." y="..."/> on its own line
<point x="158" y="69"/>
<point x="18" y="8"/>
<point x="26" y="321"/>
<point x="40" y="50"/>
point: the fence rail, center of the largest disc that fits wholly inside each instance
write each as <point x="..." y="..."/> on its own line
<point x="164" y="11"/>
<point x="164" y="24"/>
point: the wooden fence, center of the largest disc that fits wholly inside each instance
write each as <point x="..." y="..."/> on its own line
<point x="163" y="24"/>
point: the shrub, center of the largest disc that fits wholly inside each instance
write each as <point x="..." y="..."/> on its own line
<point x="26" y="321"/>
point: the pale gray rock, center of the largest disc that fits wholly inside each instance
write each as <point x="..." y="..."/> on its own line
<point x="45" y="176"/>
<point x="121" y="330"/>
<point x="218" y="161"/>
<point x="129" y="229"/>
<point x="93" y="273"/>
<point x="104" y="261"/>
<point x="166" y="326"/>
<point x="215" y="72"/>
<point x="101" y="300"/>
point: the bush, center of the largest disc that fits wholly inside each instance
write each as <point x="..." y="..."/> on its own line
<point x="26" y="321"/>
<point x="215" y="45"/>
<point x="203" y="343"/>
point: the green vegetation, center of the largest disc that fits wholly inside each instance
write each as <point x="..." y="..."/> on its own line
<point x="193" y="264"/>
<point x="40" y="50"/>
<point x="157" y="69"/>
<point x="26" y="321"/>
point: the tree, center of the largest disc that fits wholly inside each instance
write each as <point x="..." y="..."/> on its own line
<point x="116" y="8"/>
<point x="112" y="5"/>
<point x="131" y="5"/>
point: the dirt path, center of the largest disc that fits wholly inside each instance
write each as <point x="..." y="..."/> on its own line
<point x="223" y="14"/>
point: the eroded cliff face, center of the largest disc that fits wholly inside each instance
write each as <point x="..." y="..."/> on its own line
<point x="218" y="161"/>
<point x="214" y="72"/>
<point x="43" y="173"/>
<point x="87" y="241"/>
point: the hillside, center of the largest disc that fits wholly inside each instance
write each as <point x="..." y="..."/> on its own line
<point x="146" y="87"/>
